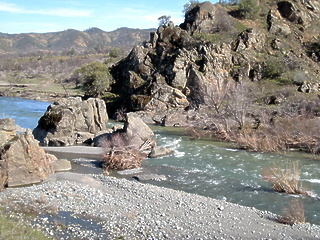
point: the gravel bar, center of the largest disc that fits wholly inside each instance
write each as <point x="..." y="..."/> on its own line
<point x="76" y="206"/>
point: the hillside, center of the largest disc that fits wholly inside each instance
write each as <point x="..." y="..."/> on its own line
<point x="34" y="64"/>
<point x="244" y="73"/>
<point x="93" y="39"/>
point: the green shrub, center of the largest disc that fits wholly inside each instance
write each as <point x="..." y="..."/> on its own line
<point x="249" y="9"/>
<point x="190" y="5"/>
<point x="274" y="67"/>
<point x="94" y="79"/>
<point x="114" y="52"/>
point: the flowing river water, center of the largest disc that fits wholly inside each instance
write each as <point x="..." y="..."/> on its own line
<point x="205" y="167"/>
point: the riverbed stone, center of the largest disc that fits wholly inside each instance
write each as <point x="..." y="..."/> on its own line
<point x="159" y="152"/>
<point x="22" y="161"/>
<point x="71" y="121"/>
<point x="62" y="165"/>
<point x="150" y="177"/>
<point x="7" y="129"/>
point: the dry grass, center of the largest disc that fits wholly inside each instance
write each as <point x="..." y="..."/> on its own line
<point x="120" y="154"/>
<point x="30" y="208"/>
<point x="285" y="179"/>
<point x="265" y="140"/>
<point x="120" y="159"/>
<point x="15" y="228"/>
<point x="294" y="213"/>
<point x="298" y="132"/>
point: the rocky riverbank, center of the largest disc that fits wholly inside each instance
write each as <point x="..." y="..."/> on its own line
<point x="74" y="206"/>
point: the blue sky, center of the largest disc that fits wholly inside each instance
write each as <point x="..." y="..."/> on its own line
<point x="24" y="16"/>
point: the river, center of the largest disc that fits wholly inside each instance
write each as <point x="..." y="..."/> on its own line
<point x="206" y="167"/>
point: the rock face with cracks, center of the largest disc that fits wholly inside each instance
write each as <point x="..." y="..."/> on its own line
<point x="22" y="161"/>
<point x="71" y="121"/>
<point x="183" y="67"/>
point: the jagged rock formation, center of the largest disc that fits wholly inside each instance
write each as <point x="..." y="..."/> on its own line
<point x="71" y="121"/>
<point x="208" y="18"/>
<point x="181" y="68"/>
<point x="22" y="161"/>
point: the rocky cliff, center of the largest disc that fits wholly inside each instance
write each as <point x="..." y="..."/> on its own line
<point x="22" y="161"/>
<point x="183" y="67"/>
<point x="71" y="121"/>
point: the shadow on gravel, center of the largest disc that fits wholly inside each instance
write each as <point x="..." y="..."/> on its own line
<point x="67" y="225"/>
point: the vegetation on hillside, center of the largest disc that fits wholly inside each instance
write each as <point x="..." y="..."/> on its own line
<point x="94" y="79"/>
<point x="263" y="112"/>
<point x="268" y="114"/>
<point x="90" y="41"/>
<point x="44" y="63"/>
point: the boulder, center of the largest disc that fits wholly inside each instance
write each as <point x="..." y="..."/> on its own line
<point x="125" y="148"/>
<point x="7" y="129"/>
<point x="249" y="39"/>
<point x="150" y="177"/>
<point x="135" y="134"/>
<point x="290" y="12"/>
<point x="71" y="121"/>
<point x="309" y="87"/>
<point x="276" y="25"/>
<point x="62" y="165"/>
<point x="159" y="152"/>
<point x="136" y="130"/>
<point x="22" y="161"/>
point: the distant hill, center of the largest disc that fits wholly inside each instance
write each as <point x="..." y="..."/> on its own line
<point x="93" y="39"/>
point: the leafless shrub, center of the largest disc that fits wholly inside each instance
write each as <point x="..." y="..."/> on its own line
<point x="294" y="213"/>
<point x="115" y="140"/>
<point x="119" y="115"/>
<point x="285" y="132"/>
<point x="265" y="139"/>
<point x="284" y="179"/>
<point x="120" y="159"/>
<point x="300" y="132"/>
<point x="120" y="154"/>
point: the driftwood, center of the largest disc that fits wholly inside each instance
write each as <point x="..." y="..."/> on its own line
<point x="123" y="156"/>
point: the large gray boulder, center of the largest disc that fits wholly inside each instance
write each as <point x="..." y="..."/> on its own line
<point x="126" y="147"/>
<point x="71" y="121"/>
<point x="135" y="134"/>
<point x="136" y="130"/>
<point x="22" y="161"/>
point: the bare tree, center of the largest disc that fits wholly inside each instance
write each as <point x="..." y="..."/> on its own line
<point x="240" y="103"/>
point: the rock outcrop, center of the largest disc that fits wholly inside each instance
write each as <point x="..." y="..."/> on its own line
<point x="71" y="121"/>
<point x="184" y="68"/>
<point x="134" y="134"/>
<point x="208" y="18"/>
<point x="172" y="73"/>
<point x="22" y="161"/>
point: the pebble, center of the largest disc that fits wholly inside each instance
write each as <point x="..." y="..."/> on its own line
<point x="119" y="208"/>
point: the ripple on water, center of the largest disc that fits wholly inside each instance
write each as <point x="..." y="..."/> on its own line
<point x="212" y="168"/>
